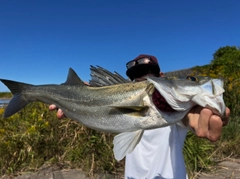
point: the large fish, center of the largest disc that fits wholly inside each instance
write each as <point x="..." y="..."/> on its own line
<point x="124" y="108"/>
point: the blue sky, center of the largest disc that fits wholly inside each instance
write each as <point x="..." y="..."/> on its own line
<point x="41" y="39"/>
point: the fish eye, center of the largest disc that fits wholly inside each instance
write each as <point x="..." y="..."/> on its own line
<point x="192" y="78"/>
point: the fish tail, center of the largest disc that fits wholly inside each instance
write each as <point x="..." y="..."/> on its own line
<point x="18" y="101"/>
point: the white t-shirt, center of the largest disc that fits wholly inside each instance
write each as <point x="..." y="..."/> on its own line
<point x="158" y="155"/>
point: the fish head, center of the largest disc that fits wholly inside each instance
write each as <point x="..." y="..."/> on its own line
<point x="191" y="91"/>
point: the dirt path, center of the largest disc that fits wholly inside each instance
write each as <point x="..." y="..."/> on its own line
<point x="59" y="174"/>
<point x="228" y="169"/>
<point x="56" y="172"/>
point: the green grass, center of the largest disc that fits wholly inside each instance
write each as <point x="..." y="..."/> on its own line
<point x="197" y="152"/>
<point x="229" y="144"/>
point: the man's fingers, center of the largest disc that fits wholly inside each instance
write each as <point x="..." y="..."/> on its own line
<point x="215" y="128"/>
<point x="225" y="120"/>
<point x="203" y="122"/>
<point x="206" y="124"/>
<point x="60" y="114"/>
<point x="52" y="107"/>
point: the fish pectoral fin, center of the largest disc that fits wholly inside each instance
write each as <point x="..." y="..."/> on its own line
<point x="134" y="108"/>
<point x="125" y="143"/>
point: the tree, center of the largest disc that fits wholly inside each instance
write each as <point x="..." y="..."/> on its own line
<point x="226" y="64"/>
<point x="228" y="59"/>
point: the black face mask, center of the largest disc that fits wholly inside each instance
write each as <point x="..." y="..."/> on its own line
<point x="142" y="70"/>
<point x="140" y="73"/>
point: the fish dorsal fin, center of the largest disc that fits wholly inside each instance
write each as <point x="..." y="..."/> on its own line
<point x="73" y="79"/>
<point x="102" y="77"/>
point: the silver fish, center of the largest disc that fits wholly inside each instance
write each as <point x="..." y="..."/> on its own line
<point x="124" y="108"/>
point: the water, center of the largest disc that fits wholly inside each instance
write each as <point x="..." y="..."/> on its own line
<point x="3" y="102"/>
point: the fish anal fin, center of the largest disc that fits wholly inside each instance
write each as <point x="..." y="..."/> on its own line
<point x="125" y="143"/>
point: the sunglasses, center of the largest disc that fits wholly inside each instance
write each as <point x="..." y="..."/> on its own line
<point x="139" y="61"/>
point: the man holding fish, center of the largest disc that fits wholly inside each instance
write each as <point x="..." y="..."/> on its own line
<point x="159" y="152"/>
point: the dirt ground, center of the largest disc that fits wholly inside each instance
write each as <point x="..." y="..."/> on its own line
<point x="227" y="169"/>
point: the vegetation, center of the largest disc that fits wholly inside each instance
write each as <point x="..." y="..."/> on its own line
<point x="34" y="136"/>
<point x="5" y="95"/>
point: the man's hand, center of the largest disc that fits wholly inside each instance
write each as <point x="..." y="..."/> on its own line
<point x="60" y="114"/>
<point x="206" y="124"/>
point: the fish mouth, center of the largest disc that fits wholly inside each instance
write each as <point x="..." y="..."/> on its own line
<point x="160" y="102"/>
